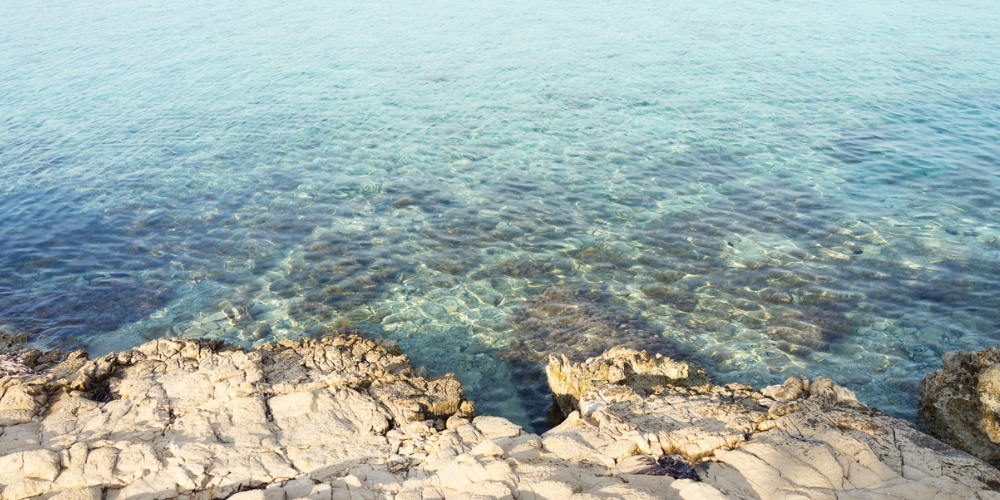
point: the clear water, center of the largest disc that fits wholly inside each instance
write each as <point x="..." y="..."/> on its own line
<point x="766" y="188"/>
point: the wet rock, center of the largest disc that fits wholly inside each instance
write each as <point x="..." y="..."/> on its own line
<point x="960" y="404"/>
<point x="10" y="341"/>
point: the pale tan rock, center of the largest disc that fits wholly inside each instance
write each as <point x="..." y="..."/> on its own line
<point x="960" y="404"/>
<point x="172" y="481"/>
<point x="25" y="488"/>
<point x="792" y="388"/>
<point x="807" y="438"/>
<point x="78" y="494"/>
<point x="20" y="437"/>
<point x="319" y="492"/>
<point x="496" y="427"/>
<point x="344" y="417"/>
<point x="467" y="471"/>
<point x="543" y="490"/>
<point x="34" y="464"/>
<point x="40" y="464"/>
<point x="251" y="495"/>
<point x="568" y="447"/>
<point x="19" y="401"/>
<point x="455" y="421"/>
<point x="619" y="450"/>
<point x="298" y="488"/>
<point x="486" y="449"/>
<point x="485" y="490"/>
<point x="617" y="366"/>
<point x="199" y="416"/>
<point x="690" y="490"/>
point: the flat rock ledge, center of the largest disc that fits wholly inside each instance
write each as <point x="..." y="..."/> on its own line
<point x="346" y="417"/>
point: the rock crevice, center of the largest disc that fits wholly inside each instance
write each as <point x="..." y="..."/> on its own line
<point x="347" y="417"/>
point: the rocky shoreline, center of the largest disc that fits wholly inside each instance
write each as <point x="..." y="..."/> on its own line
<point x="348" y="417"/>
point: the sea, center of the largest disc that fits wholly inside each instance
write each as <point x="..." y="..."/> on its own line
<point x="766" y="189"/>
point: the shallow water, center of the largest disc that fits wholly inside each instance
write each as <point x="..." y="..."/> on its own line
<point x="773" y="189"/>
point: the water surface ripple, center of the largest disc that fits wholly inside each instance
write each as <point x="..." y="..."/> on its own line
<point x="769" y="189"/>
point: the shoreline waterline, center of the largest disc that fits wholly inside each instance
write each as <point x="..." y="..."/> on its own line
<point x="790" y="190"/>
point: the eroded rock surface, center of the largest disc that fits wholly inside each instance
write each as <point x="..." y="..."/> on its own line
<point x="617" y="367"/>
<point x="204" y="419"/>
<point x="802" y="439"/>
<point x="345" y="417"/>
<point x="342" y="417"/>
<point x="960" y="404"/>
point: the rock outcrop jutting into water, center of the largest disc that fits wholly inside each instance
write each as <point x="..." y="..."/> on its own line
<point x="960" y="404"/>
<point x="345" y="417"/>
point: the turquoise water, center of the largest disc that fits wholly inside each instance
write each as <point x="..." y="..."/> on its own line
<point x="769" y="189"/>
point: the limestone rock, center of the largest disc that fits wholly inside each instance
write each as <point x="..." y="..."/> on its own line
<point x="617" y="366"/>
<point x="810" y="439"/>
<point x="960" y="404"/>
<point x="201" y="419"/>
<point x="349" y="418"/>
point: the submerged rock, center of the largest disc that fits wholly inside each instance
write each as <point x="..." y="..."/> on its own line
<point x="102" y="305"/>
<point x="13" y="361"/>
<point x="960" y="404"/>
<point x="578" y="325"/>
<point x="11" y="341"/>
<point x="345" y="417"/>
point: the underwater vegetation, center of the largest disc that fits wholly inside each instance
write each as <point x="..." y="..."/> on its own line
<point x="576" y="323"/>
